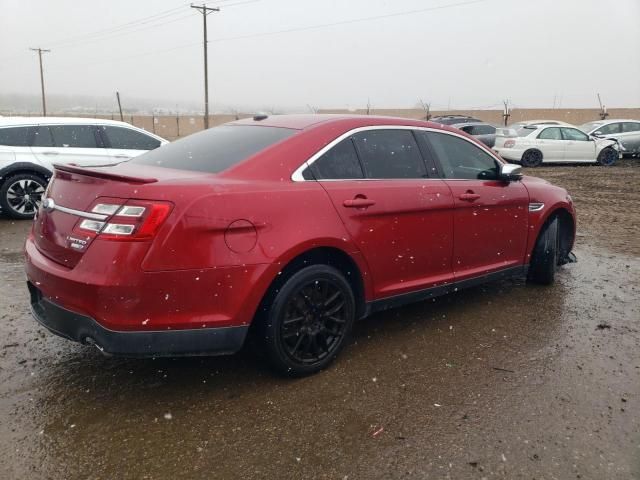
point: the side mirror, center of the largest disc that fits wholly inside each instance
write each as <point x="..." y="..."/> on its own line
<point x="597" y="133"/>
<point x="510" y="172"/>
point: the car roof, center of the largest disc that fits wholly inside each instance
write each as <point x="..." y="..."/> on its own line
<point x="613" y="120"/>
<point x="17" y="121"/>
<point x="469" y="124"/>
<point x="305" y="121"/>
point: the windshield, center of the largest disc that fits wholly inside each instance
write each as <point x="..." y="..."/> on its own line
<point x="588" y="127"/>
<point x="216" y="149"/>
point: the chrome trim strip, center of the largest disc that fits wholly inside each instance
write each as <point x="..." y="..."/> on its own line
<point x="536" y="206"/>
<point x="296" y="176"/>
<point x="77" y="213"/>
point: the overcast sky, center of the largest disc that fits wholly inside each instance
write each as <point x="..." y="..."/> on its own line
<point x="462" y="53"/>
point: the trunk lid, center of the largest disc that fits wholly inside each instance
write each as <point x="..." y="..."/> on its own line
<point x="74" y="191"/>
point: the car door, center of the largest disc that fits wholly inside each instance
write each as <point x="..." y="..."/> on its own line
<point x="76" y="144"/>
<point x="579" y="146"/>
<point x="398" y="216"/>
<point x="124" y="143"/>
<point x="630" y="137"/>
<point x="551" y="144"/>
<point x="490" y="222"/>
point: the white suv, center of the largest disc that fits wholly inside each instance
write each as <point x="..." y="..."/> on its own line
<point x="29" y="147"/>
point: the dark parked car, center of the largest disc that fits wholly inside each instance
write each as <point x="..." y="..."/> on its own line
<point x="298" y="224"/>
<point x="482" y="131"/>
<point x="453" y="119"/>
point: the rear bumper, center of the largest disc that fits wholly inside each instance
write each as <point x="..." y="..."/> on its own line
<point x="164" y="343"/>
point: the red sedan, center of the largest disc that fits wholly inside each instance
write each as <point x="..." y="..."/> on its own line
<point x="298" y="225"/>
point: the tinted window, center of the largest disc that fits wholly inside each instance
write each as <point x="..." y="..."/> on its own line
<point x="390" y="154"/>
<point x="453" y="120"/>
<point x="14" y="136"/>
<point x="215" y="149"/>
<point x="462" y="159"/>
<point x="630" y="127"/>
<point x="550" y="134"/>
<point x="73" y="136"/>
<point x="610" y="129"/>
<point x="42" y="137"/>
<point x="574" y="134"/>
<point x="481" y="130"/>
<point x="339" y="162"/>
<point x="128" y="139"/>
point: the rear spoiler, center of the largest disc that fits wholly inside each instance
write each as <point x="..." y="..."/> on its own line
<point x="102" y="174"/>
<point x="506" y="132"/>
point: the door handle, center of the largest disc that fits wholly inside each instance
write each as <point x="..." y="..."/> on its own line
<point x="122" y="156"/>
<point x="50" y="153"/>
<point x="358" y="202"/>
<point x="469" y="196"/>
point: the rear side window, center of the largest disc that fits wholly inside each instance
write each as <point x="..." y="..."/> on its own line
<point x="525" y="131"/>
<point x="128" y="139"/>
<point x="461" y="159"/>
<point x="550" y="134"/>
<point x="341" y="162"/>
<point x="14" y="136"/>
<point x="216" y="149"/>
<point x="73" y="136"/>
<point x="390" y="154"/>
<point x="630" y="127"/>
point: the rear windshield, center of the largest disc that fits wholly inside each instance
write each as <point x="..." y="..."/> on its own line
<point x="524" y="131"/>
<point x="216" y="149"/>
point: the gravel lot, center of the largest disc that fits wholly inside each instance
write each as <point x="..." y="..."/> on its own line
<point x="501" y="381"/>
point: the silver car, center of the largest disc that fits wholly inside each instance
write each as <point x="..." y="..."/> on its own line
<point x="626" y="132"/>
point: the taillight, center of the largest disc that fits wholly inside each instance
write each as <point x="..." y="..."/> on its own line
<point x="131" y="220"/>
<point x="509" y="143"/>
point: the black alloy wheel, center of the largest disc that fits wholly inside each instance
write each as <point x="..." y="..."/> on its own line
<point x="309" y="320"/>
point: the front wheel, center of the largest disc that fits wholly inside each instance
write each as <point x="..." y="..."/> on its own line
<point x="21" y="194"/>
<point x="607" y="157"/>
<point x="309" y="320"/>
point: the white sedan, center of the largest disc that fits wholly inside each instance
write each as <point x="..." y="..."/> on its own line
<point x="534" y="144"/>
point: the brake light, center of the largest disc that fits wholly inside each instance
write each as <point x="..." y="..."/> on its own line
<point x="134" y="220"/>
<point x="509" y="143"/>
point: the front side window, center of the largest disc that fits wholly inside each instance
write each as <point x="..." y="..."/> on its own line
<point x="73" y="136"/>
<point x="128" y="139"/>
<point x="610" y="129"/>
<point x="574" y="134"/>
<point x="14" y="136"/>
<point x="216" y="149"/>
<point x="550" y="134"/>
<point x="390" y="154"/>
<point x="461" y="159"/>
<point x="42" y="137"/>
<point x="631" y="127"/>
<point x="341" y="162"/>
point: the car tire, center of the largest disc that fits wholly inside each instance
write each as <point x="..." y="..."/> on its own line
<point x="21" y="194"/>
<point x="532" y="158"/>
<point x="544" y="259"/>
<point x="607" y="157"/>
<point x="309" y="321"/>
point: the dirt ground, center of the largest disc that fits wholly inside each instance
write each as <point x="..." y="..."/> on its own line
<point x="502" y="381"/>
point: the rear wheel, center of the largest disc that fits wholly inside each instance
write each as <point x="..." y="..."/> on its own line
<point x="21" y="194"/>
<point x="309" y="320"/>
<point x="607" y="157"/>
<point x="544" y="259"/>
<point x="532" y="158"/>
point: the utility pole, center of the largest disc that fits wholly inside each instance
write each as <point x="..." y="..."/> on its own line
<point x="204" y="10"/>
<point x="119" y="106"/>
<point x="44" y="103"/>
<point x="506" y="113"/>
<point x="603" y="109"/>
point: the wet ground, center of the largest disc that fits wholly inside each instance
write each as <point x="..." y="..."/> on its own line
<point x="501" y="381"/>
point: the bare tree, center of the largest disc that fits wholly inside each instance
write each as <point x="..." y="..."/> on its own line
<point x="368" y="106"/>
<point x="506" y="113"/>
<point x="313" y="109"/>
<point x="426" y="106"/>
